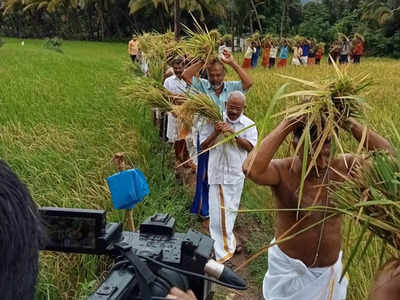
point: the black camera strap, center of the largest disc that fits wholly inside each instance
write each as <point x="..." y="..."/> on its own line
<point x="144" y="275"/>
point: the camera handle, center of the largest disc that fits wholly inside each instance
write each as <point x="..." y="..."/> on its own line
<point x="145" y="276"/>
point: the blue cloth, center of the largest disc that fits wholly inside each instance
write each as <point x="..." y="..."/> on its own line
<point x="284" y="53"/>
<point x="306" y="50"/>
<point x="200" y="202"/>
<point x="127" y="188"/>
<point x="204" y="86"/>
<point x="254" y="58"/>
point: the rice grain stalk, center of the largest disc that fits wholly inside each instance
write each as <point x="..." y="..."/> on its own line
<point x="201" y="44"/>
<point x="148" y="92"/>
<point x="200" y="105"/>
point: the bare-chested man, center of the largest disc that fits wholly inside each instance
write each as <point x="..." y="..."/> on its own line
<point x="307" y="266"/>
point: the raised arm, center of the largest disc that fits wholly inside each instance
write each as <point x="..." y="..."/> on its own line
<point x="263" y="170"/>
<point x="373" y="140"/>
<point x="193" y="70"/>
<point x="244" y="77"/>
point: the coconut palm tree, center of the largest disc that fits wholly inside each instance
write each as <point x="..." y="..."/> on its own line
<point x="200" y="6"/>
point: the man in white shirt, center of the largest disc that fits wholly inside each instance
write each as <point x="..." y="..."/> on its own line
<point x="175" y="84"/>
<point x="225" y="175"/>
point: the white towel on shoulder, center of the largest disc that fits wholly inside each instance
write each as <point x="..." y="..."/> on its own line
<point x="291" y="279"/>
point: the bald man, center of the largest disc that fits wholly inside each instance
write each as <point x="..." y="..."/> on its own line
<point x="225" y="175"/>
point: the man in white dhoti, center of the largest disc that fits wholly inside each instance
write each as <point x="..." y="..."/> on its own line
<point x="307" y="266"/>
<point x="225" y="175"/>
<point x="175" y="132"/>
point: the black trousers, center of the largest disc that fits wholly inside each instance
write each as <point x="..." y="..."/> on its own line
<point x="272" y="62"/>
<point x="133" y="58"/>
<point x="344" y="59"/>
<point x="356" y="59"/>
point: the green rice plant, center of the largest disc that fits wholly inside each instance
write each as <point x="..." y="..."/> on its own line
<point x="372" y="196"/>
<point x="54" y="44"/>
<point x="1" y="42"/>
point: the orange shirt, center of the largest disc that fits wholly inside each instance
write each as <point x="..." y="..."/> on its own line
<point x="133" y="47"/>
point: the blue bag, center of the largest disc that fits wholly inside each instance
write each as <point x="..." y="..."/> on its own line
<point x="127" y="188"/>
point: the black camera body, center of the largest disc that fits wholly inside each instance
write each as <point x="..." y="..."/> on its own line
<point x="148" y="262"/>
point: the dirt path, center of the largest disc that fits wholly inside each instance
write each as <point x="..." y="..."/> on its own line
<point x="254" y="292"/>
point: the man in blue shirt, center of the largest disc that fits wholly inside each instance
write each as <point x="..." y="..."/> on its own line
<point x="306" y="49"/>
<point x="283" y="54"/>
<point x="217" y="89"/>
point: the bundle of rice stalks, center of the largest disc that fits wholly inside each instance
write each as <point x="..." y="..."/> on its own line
<point x="201" y="44"/>
<point x="324" y="109"/>
<point x="157" y="48"/>
<point x="342" y="35"/>
<point x="372" y="196"/>
<point x="359" y="36"/>
<point x="321" y="46"/>
<point x="298" y="39"/>
<point x="148" y="92"/>
<point x="198" y="104"/>
<point x="255" y="37"/>
<point x="227" y="38"/>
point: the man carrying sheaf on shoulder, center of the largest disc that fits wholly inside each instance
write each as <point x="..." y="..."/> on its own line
<point x="309" y="265"/>
<point x="218" y="90"/>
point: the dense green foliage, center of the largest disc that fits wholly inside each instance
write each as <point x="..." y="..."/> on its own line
<point x="378" y="20"/>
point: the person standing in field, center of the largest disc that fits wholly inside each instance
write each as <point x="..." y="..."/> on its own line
<point x="133" y="48"/>
<point x="265" y="58"/>
<point x="272" y="54"/>
<point x="306" y="49"/>
<point x="345" y="51"/>
<point x="283" y="54"/>
<point x="248" y="55"/>
<point x="319" y="54"/>
<point x="311" y="54"/>
<point x="297" y="54"/>
<point x="176" y="134"/>
<point x="358" y="51"/>
<point x="225" y="174"/>
<point x="218" y="90"/>
<point x="256" y="54"/>
<point x="309" y="265"/>
<point x="334" y="52"/>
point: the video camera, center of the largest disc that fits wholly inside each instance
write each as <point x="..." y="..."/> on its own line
<point x="147" y="263"/>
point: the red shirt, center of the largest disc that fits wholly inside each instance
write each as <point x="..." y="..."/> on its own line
<point x="359" y="49"/>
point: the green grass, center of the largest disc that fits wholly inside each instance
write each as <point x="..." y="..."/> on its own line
<point x="62" y="120"/>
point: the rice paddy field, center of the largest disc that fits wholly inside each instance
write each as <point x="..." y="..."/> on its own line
<point x="62" y="119"/>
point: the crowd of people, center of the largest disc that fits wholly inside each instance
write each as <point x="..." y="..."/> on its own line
<point x="309" y="265"/>
<point x="305" y="52"/>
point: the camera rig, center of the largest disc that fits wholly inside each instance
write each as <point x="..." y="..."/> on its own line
<point x="147" y="263"/>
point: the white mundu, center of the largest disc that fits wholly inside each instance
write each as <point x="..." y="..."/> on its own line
<point x="176" y="86"/>
<point x="290" y="279"/>
<point x="226" y="179"/>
